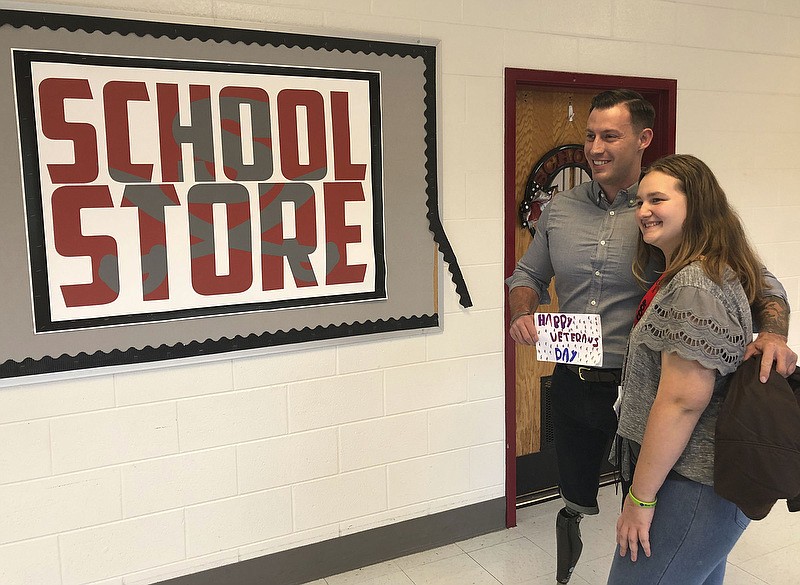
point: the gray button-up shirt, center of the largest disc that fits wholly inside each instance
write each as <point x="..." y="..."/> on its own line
<point x="589" y="246"/>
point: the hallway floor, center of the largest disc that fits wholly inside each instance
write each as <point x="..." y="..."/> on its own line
<point x="768" y="553"/>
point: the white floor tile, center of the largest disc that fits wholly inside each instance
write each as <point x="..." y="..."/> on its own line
<point x="365" y="575"/>
<point x="429" y="556"/>
<point x="550" y="579"/>
<point x="398" y="578"/>
<point x="594" y="572"/>
<point x="460" y="570"/>
<point x="767" y="553"/>
<point x="779" y="529"/>
<point x="736" y="576"/>
<point x="491" y="539"/>
<point x="515" y="561"/>
<point x="779" y="566"/>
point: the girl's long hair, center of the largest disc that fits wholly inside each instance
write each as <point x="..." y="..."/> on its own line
<point x="712" y="231"/>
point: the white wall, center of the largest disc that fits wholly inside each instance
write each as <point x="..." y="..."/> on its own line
<point x="136" y="477"/>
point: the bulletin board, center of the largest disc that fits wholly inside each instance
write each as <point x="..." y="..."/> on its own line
<point x="172" y="191"/>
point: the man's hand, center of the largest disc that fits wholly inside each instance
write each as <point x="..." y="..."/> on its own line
<point x="523" y="302"/>
<point x="523" y="330"/>
<point x="773" y="348"/>
<point x="771" y="317"/>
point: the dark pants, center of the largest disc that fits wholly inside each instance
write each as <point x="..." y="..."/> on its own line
<point x="584" y="424"/>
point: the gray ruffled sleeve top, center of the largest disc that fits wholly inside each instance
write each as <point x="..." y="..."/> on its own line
<point x="700" y="321"/>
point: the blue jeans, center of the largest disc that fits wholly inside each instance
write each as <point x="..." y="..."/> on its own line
<point x="692" y="533"/>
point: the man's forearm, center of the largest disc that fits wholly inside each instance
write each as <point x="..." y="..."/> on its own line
<point x="771" y="315"/>
<point x="521" y="300"/>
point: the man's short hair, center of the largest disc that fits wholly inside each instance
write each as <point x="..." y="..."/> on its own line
<point x="643" y="114"/>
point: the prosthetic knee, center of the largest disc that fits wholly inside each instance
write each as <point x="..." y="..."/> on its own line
<point x="568" y="543"/>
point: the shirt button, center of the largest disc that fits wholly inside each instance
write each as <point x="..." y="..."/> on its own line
<point x="611" y="213"/>
<point x="594" y="303"/>
<point x="602" y="242"/>
<point x="597" y="273"/>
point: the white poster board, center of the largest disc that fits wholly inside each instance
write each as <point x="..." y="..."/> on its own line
<point x="569" y="338"/>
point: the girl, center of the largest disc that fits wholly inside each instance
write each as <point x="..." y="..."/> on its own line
<point x="689" y="337"/>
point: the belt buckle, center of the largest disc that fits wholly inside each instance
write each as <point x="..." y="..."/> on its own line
<point x="580" y="373"/>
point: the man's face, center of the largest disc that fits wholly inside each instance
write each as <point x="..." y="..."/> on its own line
<point x="614" y="148"/>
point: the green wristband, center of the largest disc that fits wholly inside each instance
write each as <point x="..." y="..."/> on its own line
<point x="639" y="502"/>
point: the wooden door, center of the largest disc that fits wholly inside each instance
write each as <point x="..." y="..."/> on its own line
<point x="537" y="120"/>
<point x="542" y="123"/>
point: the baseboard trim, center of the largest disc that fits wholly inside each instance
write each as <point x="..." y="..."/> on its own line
<point x="330" y="557"/>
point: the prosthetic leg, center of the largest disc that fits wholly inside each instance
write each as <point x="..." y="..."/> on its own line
<point x="568" y="543"/>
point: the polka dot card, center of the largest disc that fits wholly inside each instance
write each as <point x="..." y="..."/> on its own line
<point x="569" y="338"/>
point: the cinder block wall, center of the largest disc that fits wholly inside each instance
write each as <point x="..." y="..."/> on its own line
<point x="137" y="477"/>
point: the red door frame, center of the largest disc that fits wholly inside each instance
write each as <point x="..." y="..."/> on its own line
<point x="662" y="93"/>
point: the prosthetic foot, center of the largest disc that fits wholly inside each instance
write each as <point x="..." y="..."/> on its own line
<point x="568" y="543"/>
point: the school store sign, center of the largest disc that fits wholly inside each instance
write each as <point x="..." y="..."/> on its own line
<point x="186" y="191"/>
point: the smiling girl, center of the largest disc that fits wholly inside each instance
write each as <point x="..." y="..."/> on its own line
<point x="690" y="336"/>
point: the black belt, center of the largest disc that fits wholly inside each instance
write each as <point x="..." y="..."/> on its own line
<point x="595" y="375"/>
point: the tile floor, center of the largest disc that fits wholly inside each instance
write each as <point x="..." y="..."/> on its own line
<point x="768" y="553"/>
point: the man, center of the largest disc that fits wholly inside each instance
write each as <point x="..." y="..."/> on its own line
<point x="586" y="238"/>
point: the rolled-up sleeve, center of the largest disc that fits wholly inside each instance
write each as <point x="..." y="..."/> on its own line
<point x="773" y="287"/>
<point x="535" y="269"/>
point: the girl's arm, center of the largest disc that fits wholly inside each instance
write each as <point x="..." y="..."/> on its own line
<point x="684" y="391"/>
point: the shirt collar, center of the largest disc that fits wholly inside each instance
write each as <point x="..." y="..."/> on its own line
<point x="628" y="195"/>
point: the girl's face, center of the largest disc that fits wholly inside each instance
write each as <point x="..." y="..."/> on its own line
<point x="661" y="211"/>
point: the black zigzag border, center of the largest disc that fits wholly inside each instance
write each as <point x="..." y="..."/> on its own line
<point x="141" y="28"/>
<point x="84" y="361"/>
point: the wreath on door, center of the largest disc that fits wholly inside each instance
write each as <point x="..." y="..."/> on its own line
<point x="547" y="178"/>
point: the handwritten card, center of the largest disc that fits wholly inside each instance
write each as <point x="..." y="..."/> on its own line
<point x="569" y="338"/>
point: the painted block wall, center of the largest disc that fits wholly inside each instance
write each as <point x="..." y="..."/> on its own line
<point x="136" y="477"/>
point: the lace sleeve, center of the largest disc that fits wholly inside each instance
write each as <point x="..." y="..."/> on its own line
<point x="697" y="326"/>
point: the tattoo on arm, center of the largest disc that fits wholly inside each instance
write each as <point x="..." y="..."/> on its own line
<point x="771" y="315"/>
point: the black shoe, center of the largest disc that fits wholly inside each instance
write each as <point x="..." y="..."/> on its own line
<point x="568" y="543"/>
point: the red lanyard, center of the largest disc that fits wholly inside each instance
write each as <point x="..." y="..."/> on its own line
<point x="646" y="300"/>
